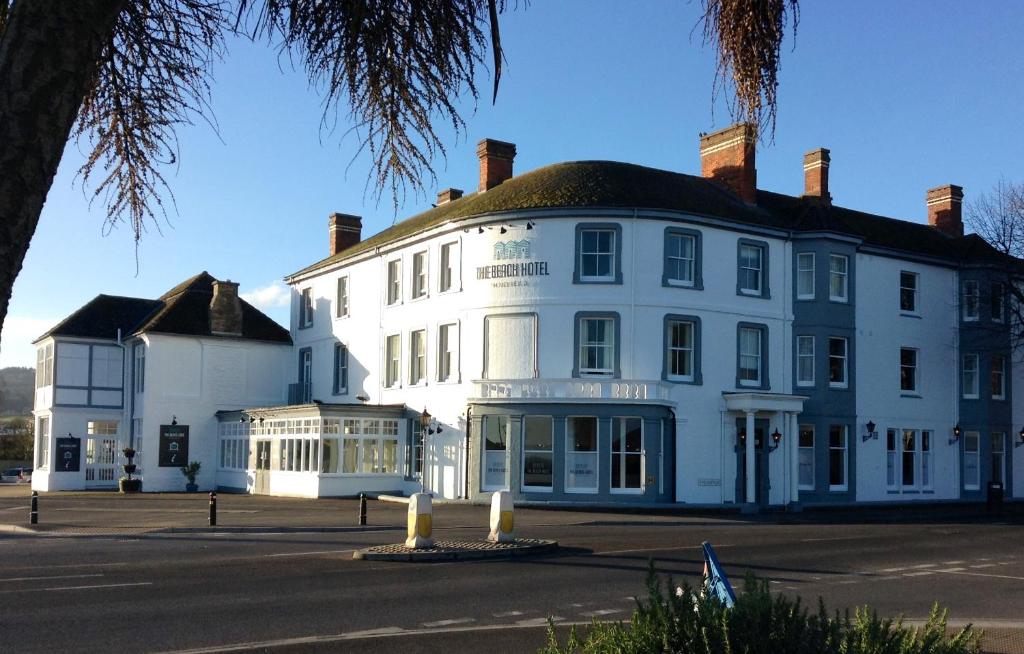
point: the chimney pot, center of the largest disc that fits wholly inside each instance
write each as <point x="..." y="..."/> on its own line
<point x="447" y="195"/>
<point x="225" y="309"/>
<point x="945" y="210"/>
<point x="496" y="159"/>
<point x="816" y="163"/>
<point x="728" y="158"/>
<point x="343" y="231"/>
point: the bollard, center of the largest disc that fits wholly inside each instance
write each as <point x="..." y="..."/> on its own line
<point x="33" y="514"/>
<point x="420" y="521"/>
<point x="362" y="509"/>
<point x="213" y="508"/>
<point x="502" y="522"/>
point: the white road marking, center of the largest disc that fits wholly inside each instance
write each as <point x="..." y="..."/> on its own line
<point x="67" y="565"/>
<point x="448" y="623"/>
<point x="952" y="562"/>
<point x="981" y="574"/>
<point x="97" y="574"/>
<point x="36" y="590"/>
<point x="507" y="614"/>
<point x="951" y="570"/>
<point x="985" y="565"/>
<point x="310" y="553"/>
<point x="540" y="622"/>
<point x="819" y="540"/>
<point x="923" y="573"/>
<point x="850" y="581"/>
<point x="600" y="612"/>
<point x="923" y="565"/>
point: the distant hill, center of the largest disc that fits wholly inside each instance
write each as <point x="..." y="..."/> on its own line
<point x="16" y="390"/>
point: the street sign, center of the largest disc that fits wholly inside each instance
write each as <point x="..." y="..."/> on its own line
<point x="173" y="446"/>
<point x="69" y="454"/>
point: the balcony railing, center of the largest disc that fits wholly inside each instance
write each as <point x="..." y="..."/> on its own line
<point x="552" y="389"/>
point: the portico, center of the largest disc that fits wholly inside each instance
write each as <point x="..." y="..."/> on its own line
<point x="754" y="446"/>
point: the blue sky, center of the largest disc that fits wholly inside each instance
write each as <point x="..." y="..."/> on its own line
<point x="907" y="95"/>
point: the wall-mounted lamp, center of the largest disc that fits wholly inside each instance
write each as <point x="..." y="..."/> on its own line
<point x="503" y="230"/>
<point x="1020" y="438"/>
<point x="479" y="230"/>
<point x="870" y="433"/>
<point x="174" y="420"/>
<point x="742" y="435"/>
<point x="363" y="397"/>
<point x="956" y="434"/>
<point x="529" y="224"/>
<point x="776" y="439"/>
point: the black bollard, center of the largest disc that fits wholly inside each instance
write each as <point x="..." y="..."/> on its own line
<point x="213" y="508"/>
<point x="33" y="514"/>
<point x="362" y="509"/>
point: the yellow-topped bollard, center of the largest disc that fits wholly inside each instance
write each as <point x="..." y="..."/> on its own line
<point x="502" y="522"/>
<point x="421" y="526"/>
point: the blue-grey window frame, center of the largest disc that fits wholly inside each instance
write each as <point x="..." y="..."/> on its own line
<point x="340" y="349"/>
<point x="763" y="329"/>
<point x="617" y="273"/>
<point x="617" y="343"/>
<point x="695" y="320"/>
<point x="763" y="245"/>
<point x="698" y="277"/>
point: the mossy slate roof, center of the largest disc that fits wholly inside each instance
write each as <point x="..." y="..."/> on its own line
<point x="183" y="310"/>
<point x="616" y="185"/>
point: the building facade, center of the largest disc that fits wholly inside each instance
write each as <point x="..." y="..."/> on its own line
<point x="604" y="333"/>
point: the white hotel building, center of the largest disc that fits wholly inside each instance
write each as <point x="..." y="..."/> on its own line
<point x="589" y="333"/>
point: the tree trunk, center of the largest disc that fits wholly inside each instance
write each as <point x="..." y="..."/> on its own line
<point x="48" y="55"/>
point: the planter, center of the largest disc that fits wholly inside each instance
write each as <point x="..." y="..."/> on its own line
<point x="191" y="488"/>
<point x="130" y="485"/>
<point x="129" y="468"/>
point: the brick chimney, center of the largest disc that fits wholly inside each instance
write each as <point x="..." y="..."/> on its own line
<point x="344" y="231"/>
<point x="944" y="210"/>
<point x="447" y="195"/>
<point x="495" y="162"/>
<point x="816" y="174"/>
<point x="225" y="309"/>
<point x="727" y="157"/>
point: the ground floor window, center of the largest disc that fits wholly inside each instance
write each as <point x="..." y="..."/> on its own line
<point x="298" y="454"/>
<point x="368" y="446"/>
<point x="43" y="443"/>
<point x="908" y="459"/>
<point x="972" y="469"/>
<point x="234" y="445"/>
<point x="837" y="464"/>
<point x="581" y="454"/>
<point x="999" y="457"/>
<point x="627" y="454"/>
<point x="538" y="452"/>
<point x="495" y="452"/>
<point x="805" y="454"/>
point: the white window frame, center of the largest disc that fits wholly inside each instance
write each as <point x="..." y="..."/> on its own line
<point x="845" y="449"/>
<point x="997" y="298"/>
<point x="611" y="254"/>
<point x="342" y="298"/>
<point x="42" y="449"/>
<point x="999" y="438"/>
<point x="914" y="292"/>
<point x="970" y="392"/>
<point x="678" y="261"/>
<point x="1001" y="372"/>
<point x="550" y="452"/>
<point x="971" y="301"/>
<point x="451" y="348"/>
<point x="392" y="361"/>
<point x="757" y="356"/>
<point x="488" y="453"/>
<point x="619" y="458"/>
<point x="801" y="270"/>
<point x="420" y="275"/>
<point x="975" y="454"/>
<point x="758" y="271"/>
<point x="341" y="369"/>
<point x="306" y="308"/>
<point x="843" y="276"/>
<point x="595" y="454"/>
<point x="844" y="358"/>
<point x="892" y="453"/>
<point x="608" y="346"/>
<point x="915" y="368"/>
<point x="418" y="357"/>
<point x="802" y="449"/>
<point x="139" y="368"/>
<point x="804" y="357"/>
<point x="393" y="277"/>
<point x="670" y="350"/>
<point x="448" y="267"/>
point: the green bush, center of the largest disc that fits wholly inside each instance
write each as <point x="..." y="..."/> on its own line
<point x="759" y="623"/>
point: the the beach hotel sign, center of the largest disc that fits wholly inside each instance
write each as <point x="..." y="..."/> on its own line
<point x="513" y="260"/>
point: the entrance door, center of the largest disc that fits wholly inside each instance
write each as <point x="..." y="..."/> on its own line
<point x="101" y="461"/>
<point x="261" y="484"/>
<point x="760" y="462"/>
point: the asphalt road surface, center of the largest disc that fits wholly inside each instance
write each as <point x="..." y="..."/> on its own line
<point x="292" y="592"/>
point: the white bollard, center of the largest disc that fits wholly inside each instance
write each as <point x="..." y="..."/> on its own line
<point x="420" y="521"/>
<point x="502" y="522"/>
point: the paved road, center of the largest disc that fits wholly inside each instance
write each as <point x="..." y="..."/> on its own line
<point x="296" y="592"/>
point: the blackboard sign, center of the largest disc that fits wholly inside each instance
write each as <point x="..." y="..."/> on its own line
<point x="173" y="446"/>
<point x="69" y="454"/>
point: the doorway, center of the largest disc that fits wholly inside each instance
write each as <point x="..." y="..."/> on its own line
<point x="763" y="483"/>
<point x="261" y="481"/>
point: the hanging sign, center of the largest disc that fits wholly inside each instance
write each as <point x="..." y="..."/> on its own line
<point x="173" y="446"/>
<point x="69" y="454"/>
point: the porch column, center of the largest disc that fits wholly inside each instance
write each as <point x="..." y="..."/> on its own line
<point x="794" y="459"/>
<point x="751" y="462"/>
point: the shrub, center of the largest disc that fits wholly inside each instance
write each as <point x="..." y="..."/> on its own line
<point x="760" y="623"/>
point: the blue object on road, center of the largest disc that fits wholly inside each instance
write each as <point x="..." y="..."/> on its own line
<point x="715" y="581"/>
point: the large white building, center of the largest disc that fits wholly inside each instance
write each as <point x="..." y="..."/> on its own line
<point x="596" y="332"/>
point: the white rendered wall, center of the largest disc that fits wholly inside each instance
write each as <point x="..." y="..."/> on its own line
<point x="881" y="332"/>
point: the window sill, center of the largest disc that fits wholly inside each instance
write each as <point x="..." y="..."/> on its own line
<point x="838" y="300"/>
<point x="447" y="382"/>
<point x="838" y="489"/>
<point x="838" y="387"/>
<point x="626" y="491"/>
<point x="910" y="394"/>
<point x="911" y="314"/>
<point x="970" y="397"/>
<point x="533" y="489"/>
<point x="396" y="303"/>
<point x="450" y="291"/>
<point x="672" y="283"/>
<point x="598" y="281"/>
<point x="691" y="381"/>
<point x="805" y="298"/>
<point x="809" y="489"/>
<point x="337" y="318"/>
<point x="420" y="298"/>
<point x="755" y="294"/>
<point x="582" y="491"/>
<point x="805" y="384"/>
<point x="998" y="398"/>
<point x="975" y="319"/>
<point x="419" y="384"/>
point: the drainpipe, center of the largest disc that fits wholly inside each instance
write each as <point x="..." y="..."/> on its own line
<point x="126" y="365"/>
<point x="465" y="454"/>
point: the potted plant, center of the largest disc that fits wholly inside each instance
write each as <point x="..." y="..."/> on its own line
<point x="129" y="484"/>
<point x="190" y="471"/>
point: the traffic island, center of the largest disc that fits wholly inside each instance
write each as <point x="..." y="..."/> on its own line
<point x="456" y="550"/>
